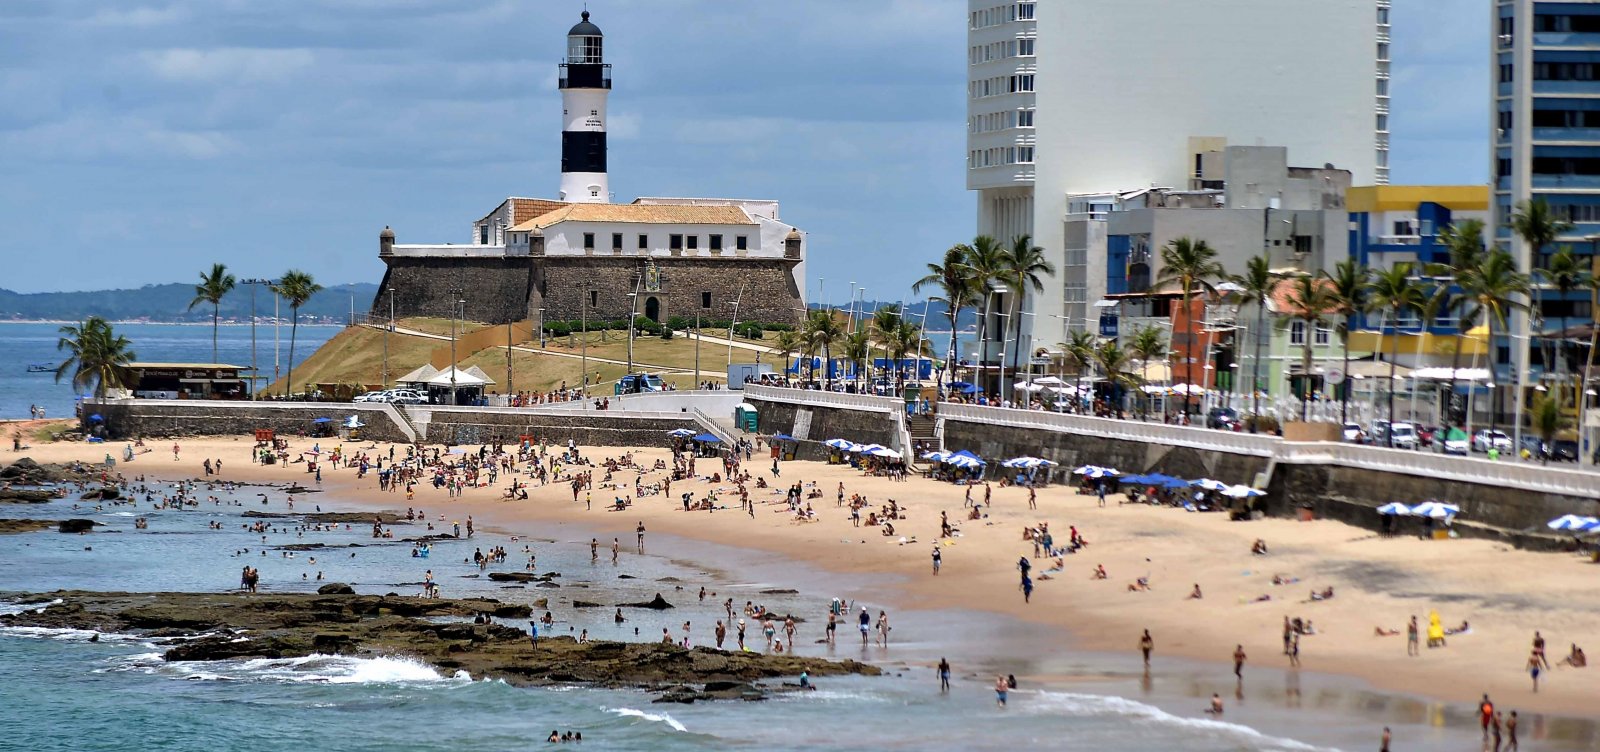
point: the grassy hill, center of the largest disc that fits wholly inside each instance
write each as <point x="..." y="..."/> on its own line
<point x="355" y="356"/>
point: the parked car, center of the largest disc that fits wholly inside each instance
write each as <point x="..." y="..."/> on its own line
<point x="1450" y="441"/>
<point x="1379" y="432"/>
<point x="1486" y="438"/>
<point x="1225" y="418"/>
<point x="1354" y="434"/>
<point x="1534" y="445"/>
<point x="379" y="396"/>
<point x="1401" y="436"/>
<point x="635" y="383"/>
<point x="1564" y="450"/>
<point x="407" y="397"/>
<point x="1425" y="435"/>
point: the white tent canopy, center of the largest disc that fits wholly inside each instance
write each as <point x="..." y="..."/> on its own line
<point x="461" y="378"/>
<point x="1438" y="373"/>
<point x="419" y="376"/>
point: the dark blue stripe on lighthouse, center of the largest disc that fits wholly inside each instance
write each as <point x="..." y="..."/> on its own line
<point x="583" y="151"/>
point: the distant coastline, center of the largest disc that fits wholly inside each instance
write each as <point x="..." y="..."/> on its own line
<point x="163" y="323"/>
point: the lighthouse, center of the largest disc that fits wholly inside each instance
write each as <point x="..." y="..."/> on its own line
<point x="585" y="83"/>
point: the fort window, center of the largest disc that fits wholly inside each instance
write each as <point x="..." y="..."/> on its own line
<point x="742" y="243"/>
<point x="644" y="242"/>
<point x="716" y="242"/>
<point x="594" y="298"/>
<point x="588" y="241"/>
<point x="694" y="242"/>
<point x="616" y="241"/>
<point x="705" y="300"/>
<point x="483" y="234"/>
<point x="675" y="242"/>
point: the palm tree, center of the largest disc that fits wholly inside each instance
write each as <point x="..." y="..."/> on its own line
<point x="1256" y="285"/>
<point x="1025" y="267"/>
<point x="210" y="290"/>
<point x="1566" y="273"/>
<point x="1148" y="345"/>
<point x="822" y="332"/>
<point x="1489" y="292"/>
<point x="295" y="287"/>
<point x="787" y="344"/>
<point x="905" y="339"/>
<point x="1350" y="285"/>
<point x="1192" y="265"/>
<point x="1465" y="241"/>
<point x="882" y="326"/>
<point x="949" y="276"/>
<point x="857" y="348"/>
<point x="1309" y="300"/>
<point x="1079" y="350"/>
<point x="96" y="356"/>
<point x="985" y="266"/>
<point x="1538" y="227"/>
<point x="1396" y="291"/>
<point x="1114" y="362"/>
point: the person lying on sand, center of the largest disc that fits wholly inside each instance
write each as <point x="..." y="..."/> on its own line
<point x="1381" y="632"/>
<point x="1576" y="658"/>
<point x="1283" y="579"/>
<point x="1099" y="572"/>
<point x="1463" y="629"/>
<point x="1140" y="585"/>
<point x="1326" y="594"/>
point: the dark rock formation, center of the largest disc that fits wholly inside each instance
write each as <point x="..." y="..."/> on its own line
<point x="9" y="526"/>
<point x="103" y="492"/>
<point x="658" y="603"/>
<point x="336" y="588"/>
<point x="76" y="525"/>
<point x="237" y="625"/>
<point x="25" y="495"/>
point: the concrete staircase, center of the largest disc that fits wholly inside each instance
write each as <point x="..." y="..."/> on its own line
<point x="924" y="429"/>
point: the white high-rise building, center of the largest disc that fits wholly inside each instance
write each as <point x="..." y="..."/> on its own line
<point x="1077" y="97"/>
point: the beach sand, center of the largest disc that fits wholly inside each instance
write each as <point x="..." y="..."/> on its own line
<point x="1506" y="594"/>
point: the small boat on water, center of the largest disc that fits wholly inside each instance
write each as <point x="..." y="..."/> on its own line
<point x="40" y="368"/>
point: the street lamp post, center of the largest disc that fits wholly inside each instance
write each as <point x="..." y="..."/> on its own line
<point x="254" y="374"/>
<point x="633" y="307"/>
<point x="583" y="325"/>
<point x="455" y="302"/>
<point x="386" y="333"/>
<point x="1005" y="340"/>
<point x="697" y="380"/>
<point x="734" y="322"/>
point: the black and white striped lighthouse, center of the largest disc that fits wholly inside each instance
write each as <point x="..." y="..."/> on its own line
<point x="585" y="83"/>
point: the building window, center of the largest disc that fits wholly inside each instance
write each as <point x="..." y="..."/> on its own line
<point x="1022" y="82"/>
<point x="675" y="242"/>
<point x="716" y="242"/>
<point x="1505" y="73"/>
<point x="1025" y="154"/>
<point x="694" y="242"/>
<point x="644" y="242"/>
<point x="705" y="300"/>
<point x="594" y="298"/>
<point x="483" y="234"/>
<point x="1025" y="118"/>
<point x="742" y="243"/>
<point x="1025" y="47"/>
<point x="616" y="241"/>
<point x="594" y="194"/>
<point x="588" y="241"/>
<point x="1322" y="335"/>
<point x="1024" y="11"/>
<point x="1297" y="333"/>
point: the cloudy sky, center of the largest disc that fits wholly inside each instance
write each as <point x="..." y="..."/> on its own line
<point x="140" y="143"/>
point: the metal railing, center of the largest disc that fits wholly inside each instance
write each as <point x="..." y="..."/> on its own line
<point x="868" y="402"/>
<point x="1259" y="445"/>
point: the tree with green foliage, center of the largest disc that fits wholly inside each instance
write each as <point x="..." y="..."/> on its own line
<point x="822" y="331"/>
<point x="295" y="287"/>
<point x="213" y="285"/>
<point x="1491" y="293"/>
<point x="1565" y="273"/>
<point x="954" y="287"/>
<point x="1350" y="281"/>
<point x="1310" y="300"/>
<point x="1257" y="284"/>
<point x="97" y="357"/>
<point x="1397" y="292"/>
<point x="1464" y="240"/>
<point x="1192" y="265"/>
<point x="1024" y="269"/>
<point x="1149" y="345"/>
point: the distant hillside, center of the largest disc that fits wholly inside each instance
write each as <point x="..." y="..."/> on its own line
<point x="170" y="302"/>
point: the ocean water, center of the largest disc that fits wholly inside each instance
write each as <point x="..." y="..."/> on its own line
<point x="66" y="693"/>
<point x="22" y="345"/>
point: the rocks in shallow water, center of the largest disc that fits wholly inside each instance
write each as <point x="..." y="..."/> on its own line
<point x="522" y="576"/>
<point x="26" y="472"/>
<point x="585" y="604"/>
<point x="25" y="526"/>
<point x="273" y="625"/>
<point x="104" y="492"/>
<point x="25" y="495"/>
<point x="336" y="588"/>
<point x="780" y="591"/>
<point x="76" y="525"/>
<point x="658" y="603"/>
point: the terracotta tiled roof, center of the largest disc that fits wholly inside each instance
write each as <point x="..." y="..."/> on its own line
<point x="524" y="209"/>
<point x="663" y="214"/>
<point x="1283" y="295"/>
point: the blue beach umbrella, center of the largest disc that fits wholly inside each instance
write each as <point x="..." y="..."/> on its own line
<point x="708" y="438"/>
<point x="680" y="433"/>
<point x="782" y="437"/>
<point x="1394" y="508"/>
<point x="843" y="445"/>
<point x="96" y="418"/>
<point x="1573" y="522"/>
<point x="323" y="420"/>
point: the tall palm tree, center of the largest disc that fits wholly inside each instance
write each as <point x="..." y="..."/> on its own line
<point x="787" y="344"/>
<point x="1310" y="300"/>
<point x="822" y="332"/>
<point x="1114" y="361"/>
<point x="1564" y="273"/>
<point x="295" y="287"/>
<point x="985" y="266"/>
<point x="1256" y="285"/>
<point x="1079" y="351"/>
<point x="905" y="339"/>
<point x="1538" y="226"/>
<point x="1464" y="239"/>
<point x="1350" y="285"/>
<point x="1396" y="291"/>
<point x="949" y="278"/>
<point x="882" y="326"/>
<point x="1547" y="420"/>
<point x="96" y="356"/>
<point x="857" y="349"/>
<point x="210" y="290"/>
<point x="1025" y="267"/>
<point x="1491" y="293"/>
<point x="1192" y="265"/>
<point x="1149" y="345"/>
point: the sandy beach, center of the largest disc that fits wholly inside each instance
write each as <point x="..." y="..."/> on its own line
<point x="1505" y="594"/>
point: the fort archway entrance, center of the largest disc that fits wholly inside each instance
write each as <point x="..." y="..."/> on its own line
<point x="652" y="309"/>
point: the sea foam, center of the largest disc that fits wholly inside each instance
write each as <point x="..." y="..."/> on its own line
<point x="658" y="718"/>
<point x="1071" y="703"/>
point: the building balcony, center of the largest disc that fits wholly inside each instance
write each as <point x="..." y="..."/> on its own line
<point x="1560" y="87"/>
<point x="1565" y="39"/>
<point x="1566" y="181"/>
<point x="1591" y="135"/>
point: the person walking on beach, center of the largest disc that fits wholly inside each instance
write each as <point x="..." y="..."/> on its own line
<point x="944" y="676"/>
<point x="1238" y="662"/>
<point x="174" y="452"/>
<point x="1533" y="669"/>
<point x="865" y="622"/>
<point x="1383" y="741"/>
<point x="1027" y="589"/>
<point x="594" y="550"/>
<point x="1495" y="730"/>
<point x="616" y="546"/>
<point x="639" y="531"/>
<point x="1146" y="644"/>
<point x="1000" y="689"/>
<point x="1538" y="649"/>
<point x="740" y="634"/>
<point x="721" y="632"/>
<point x="1511" y="732"/>
<point x="936" y="557"/>
<point x="883" y="629"/>
<point x="1485" y="715"/>
<point x="1412" y="644"/>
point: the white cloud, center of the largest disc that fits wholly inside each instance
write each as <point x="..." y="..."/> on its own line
<point x="139" y="18"/>
<point x="83" y="138"/>
<point x="232" y="64"/>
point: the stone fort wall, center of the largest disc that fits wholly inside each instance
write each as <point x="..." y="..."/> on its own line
<point x="504" y="289"/>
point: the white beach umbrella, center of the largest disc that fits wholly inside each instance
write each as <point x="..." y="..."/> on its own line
<point x="936" y="456"/>
<point x="1436" y="510"/>
<point x="1240" y="492"/>
<point x="842" y="445"/>
<point x="868" y="448"/>
<point x="1049" y="381"/>
<point x="1210" y="485"/>
<point x="882" y="452"/>
<point x="963" y="462"/>
<point x="1573" y="522"/>
<point x="680" y="433"/>
<point x="1394" y="508"/>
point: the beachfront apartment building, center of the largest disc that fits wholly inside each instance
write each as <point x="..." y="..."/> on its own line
<point x="1545" y="143"/>
<point x="1072" y="98"/>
